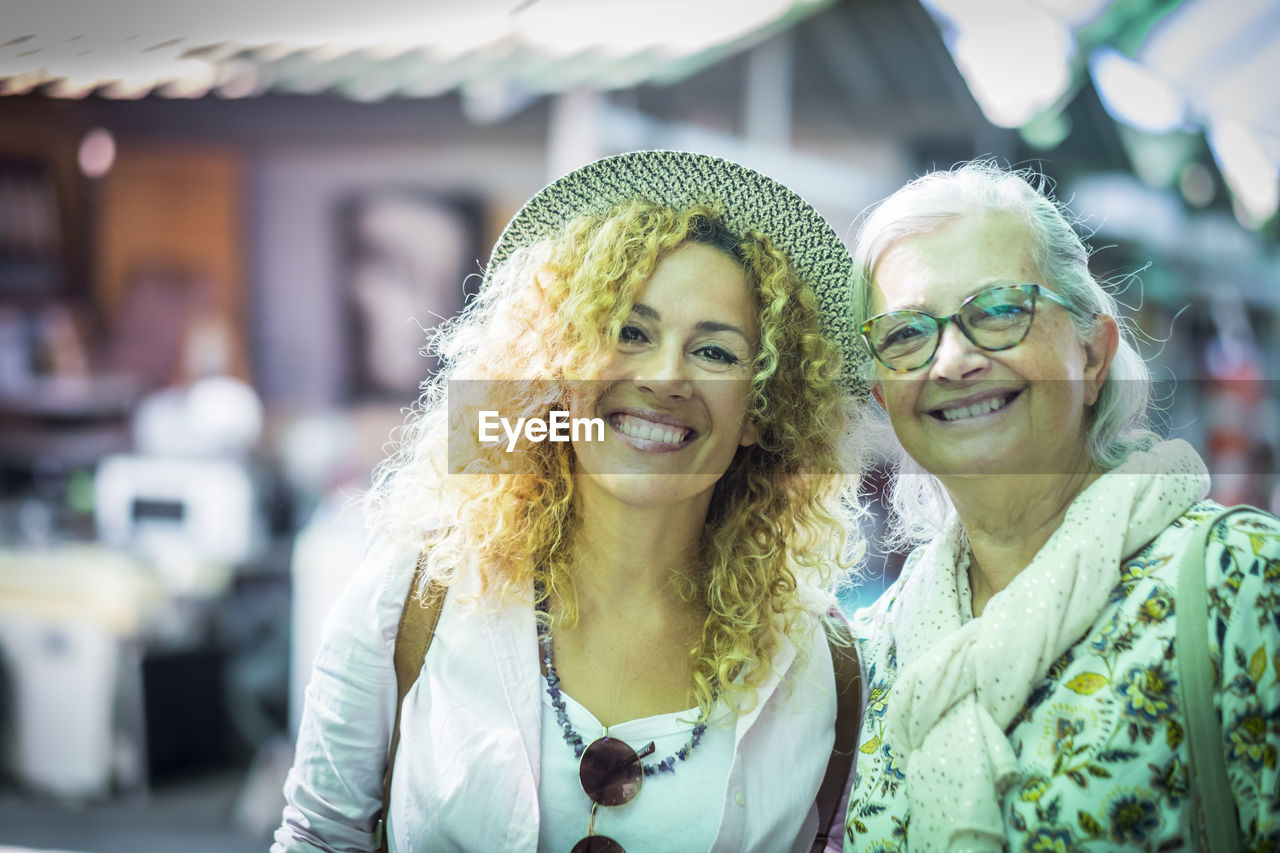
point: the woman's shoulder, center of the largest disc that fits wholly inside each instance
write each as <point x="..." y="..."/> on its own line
<point x="1242" y="532"/>
<point x="1239" y="555"/>
<point x="1245" y="526"/>
<point x="374" y="595"/>
<point x="1242" y="552"/>
<point x="1239" y="517"/>
<point x="1257" y="526"/>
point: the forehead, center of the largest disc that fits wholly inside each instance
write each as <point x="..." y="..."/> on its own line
<point x="700" y="279"/>
<point x="953" y="260"/>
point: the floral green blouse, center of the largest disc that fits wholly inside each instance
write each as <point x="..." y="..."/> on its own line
<point x="1100" y="741"/>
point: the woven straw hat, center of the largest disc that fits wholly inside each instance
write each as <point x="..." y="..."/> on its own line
<point x="749" y="201"/>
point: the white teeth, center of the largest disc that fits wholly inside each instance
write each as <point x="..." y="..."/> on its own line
<point x="980" y="408"/>
<point x="648" y="430"/>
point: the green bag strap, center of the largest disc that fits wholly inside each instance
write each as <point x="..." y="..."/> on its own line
<point x="848" y="672"/>
<point x="1207" y="768"/>
<point x="418" y="621"/>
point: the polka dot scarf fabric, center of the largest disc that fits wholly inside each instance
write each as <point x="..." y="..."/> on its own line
<point x="964" y="681"/>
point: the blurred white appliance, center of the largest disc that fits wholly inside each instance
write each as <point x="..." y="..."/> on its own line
<point x="69" y="617"/>
<point x="165" y="507"/>
<point x="63" y="677"/>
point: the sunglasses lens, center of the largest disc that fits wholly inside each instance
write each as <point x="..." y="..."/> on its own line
<point x="597" y="844"/>
<point x="611" y="774"/>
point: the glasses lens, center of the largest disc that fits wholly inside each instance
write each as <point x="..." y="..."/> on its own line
<point x="597" y="844"/>
<point x="610" y="772"/>
<point x="902" y="339"/>
<point x="999" y="317"/>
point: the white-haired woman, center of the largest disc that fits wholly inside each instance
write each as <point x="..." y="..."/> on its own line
<point x="1024" y="688"/>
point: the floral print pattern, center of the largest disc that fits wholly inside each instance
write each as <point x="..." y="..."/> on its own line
<point x="1101" y="742"/>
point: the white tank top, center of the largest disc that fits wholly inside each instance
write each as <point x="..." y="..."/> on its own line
<point x="673" y="811"/>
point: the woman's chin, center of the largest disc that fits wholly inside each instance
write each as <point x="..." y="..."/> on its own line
<point x="982" y="457"/>
<point x="643" y="489"/>
<point x="987" y="463"/>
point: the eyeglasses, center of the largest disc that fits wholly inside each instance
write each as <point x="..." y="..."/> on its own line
<point x="611" y="773"/>
<point x="994" y="319"/>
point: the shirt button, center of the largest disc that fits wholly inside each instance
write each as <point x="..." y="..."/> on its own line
<point x="740" y="799"/>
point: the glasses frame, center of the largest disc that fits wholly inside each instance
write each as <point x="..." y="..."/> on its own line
<point x="1035" y="291"/>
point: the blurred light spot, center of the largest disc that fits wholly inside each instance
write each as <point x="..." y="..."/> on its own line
<point x="1047" y="130"/>
<point x="562" y="29"/>
<point x="80" y="492"/>
<point x="1248" y="171"/>
<point x="1078" y="13"/>
<point x="1134" y="94"/>
<point x="1157" y="158"/>
<point x="1196" y="185"/>
<point x="1015" y="58"/>
<point x="97" y="152"/>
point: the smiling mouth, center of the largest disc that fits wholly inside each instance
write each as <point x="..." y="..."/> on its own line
<point x="645" y="430"/>
<point x="951" y="414"/>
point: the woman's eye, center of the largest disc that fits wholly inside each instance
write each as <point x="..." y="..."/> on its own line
<point x="632" y="335"/>
<point x="718" y="355"/>
<point x="906" y="335"/>
<point x="1006" y="309"/>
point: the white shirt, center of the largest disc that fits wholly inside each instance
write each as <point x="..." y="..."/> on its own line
<point x="469" y="765"/>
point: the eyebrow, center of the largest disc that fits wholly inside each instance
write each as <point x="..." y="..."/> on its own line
<point x="918" y="305"/>
<point x="702" y="326"/>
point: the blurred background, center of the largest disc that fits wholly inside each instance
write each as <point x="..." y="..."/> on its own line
<point x="224" y="229"/>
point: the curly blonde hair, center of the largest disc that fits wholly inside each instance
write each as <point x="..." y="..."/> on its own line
<point x="778" y="532"/>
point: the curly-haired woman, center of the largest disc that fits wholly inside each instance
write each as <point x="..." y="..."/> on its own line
<point x="648" y="597"/>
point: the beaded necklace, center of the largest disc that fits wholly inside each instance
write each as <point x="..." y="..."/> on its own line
<point x="571" y="736"/>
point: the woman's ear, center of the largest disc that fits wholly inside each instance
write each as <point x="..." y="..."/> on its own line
<point x="877" y="392"/>
<point x="1099" y="351"/>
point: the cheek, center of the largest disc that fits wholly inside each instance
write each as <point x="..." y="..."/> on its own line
<point x="730" y="398"/>
<point x="586" y="398"/>
<point x="613" y="368"/>
<point x="1061" y="376"/>
<point x="897" y="396"/>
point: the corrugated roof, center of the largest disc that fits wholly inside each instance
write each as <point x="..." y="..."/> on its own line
<point x="372" y="49"/>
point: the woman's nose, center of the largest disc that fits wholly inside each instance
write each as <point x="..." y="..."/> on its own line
<point x="664" y="372"/>
<point x="957" y="357"/>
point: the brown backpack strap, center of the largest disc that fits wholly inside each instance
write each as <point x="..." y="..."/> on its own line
<point x="418" y="621"/>
<point x="844" y="657"/>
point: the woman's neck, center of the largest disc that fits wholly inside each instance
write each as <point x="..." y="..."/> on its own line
<point x="1008" y="519"/>
<point x="629" y="556"/>
<point x="627" y="654"/>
